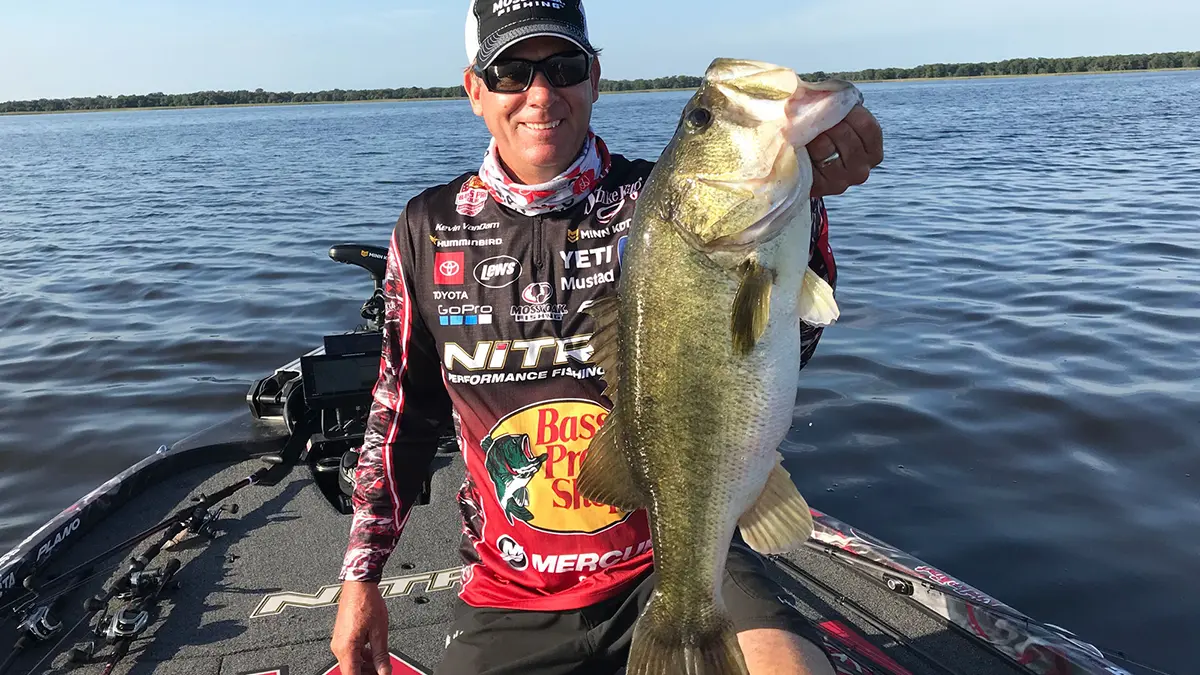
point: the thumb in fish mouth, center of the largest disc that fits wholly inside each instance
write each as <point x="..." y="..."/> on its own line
<point x="817" y="107"/>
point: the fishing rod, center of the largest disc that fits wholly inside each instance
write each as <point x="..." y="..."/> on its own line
<point x="135" y="582"/>
<point x="853" y="560"/>
<point x="197" y="517"/>
<point x="865" y="614"/>
<point x="36" y="614"/>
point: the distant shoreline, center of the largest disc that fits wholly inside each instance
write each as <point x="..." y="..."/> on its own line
<point x="603" y="93"/>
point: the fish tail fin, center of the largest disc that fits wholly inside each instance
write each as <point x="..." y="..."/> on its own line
<point x="666" y="646"/>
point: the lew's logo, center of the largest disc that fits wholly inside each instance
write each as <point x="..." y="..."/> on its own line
<point x="533" y="459"/>
<point x="499" y="272"/>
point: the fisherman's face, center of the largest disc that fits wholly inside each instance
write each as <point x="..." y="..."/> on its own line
<point x="536" y="155"/>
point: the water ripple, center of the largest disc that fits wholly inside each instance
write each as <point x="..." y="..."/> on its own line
<point x="1013" y="392"/>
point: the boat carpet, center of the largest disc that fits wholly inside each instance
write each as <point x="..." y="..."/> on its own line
<point x="261" y="597"/>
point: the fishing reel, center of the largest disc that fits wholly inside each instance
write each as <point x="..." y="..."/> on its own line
<point x="141" y="591"/>
<point x="201" y="524"/>
<point x="40" y="623"/>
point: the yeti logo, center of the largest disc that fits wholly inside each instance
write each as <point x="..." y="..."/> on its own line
<point x="512" y="552"/>
<point x="511" y="464"/>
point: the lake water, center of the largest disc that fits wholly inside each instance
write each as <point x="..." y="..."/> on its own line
<point x="1013" y="393"/>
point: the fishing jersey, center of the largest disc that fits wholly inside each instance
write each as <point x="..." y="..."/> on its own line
<point x="485" y="327"/>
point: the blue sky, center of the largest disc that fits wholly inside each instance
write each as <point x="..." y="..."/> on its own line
<point x="60" y="48"/>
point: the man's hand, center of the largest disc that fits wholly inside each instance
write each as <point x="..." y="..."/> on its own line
<point x="858" y="144"/>
<point x="360" y="636"/>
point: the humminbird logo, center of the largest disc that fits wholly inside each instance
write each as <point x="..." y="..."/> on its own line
<point x="397" y="587"/>
<point x="459" y="243"/>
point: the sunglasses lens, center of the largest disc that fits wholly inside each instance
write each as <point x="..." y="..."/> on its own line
<point x="515" y="76"/>
<point x="567" y="70"/>
<point x="509" y="76"/>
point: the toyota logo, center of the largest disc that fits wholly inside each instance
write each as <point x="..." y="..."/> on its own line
<point x="450" y="268"/>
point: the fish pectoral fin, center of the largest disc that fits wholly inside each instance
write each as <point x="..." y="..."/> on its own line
<point x="751" y="307"/>
<point x="780" y="520"/>
<point x="604" y="342"/>
<point x="605" y="476"/>
<point x="816" y="304"/>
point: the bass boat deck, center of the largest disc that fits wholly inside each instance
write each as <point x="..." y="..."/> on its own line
<point x="248" y="583"/>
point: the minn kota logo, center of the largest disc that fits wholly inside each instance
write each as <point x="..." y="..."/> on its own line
<point x="511" y="464"/>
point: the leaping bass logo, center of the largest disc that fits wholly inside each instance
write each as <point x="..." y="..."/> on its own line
<point x="533" y="458"/>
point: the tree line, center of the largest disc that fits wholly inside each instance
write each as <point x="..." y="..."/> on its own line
<point x="1032" y="66"/>
<point x="1029" y="66"/>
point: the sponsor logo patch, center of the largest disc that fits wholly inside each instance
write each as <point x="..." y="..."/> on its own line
<point x="501" y="271"/>
<point x="463" y="243"/>
<point x="601" y="197"/>
<point x="471" y="198"/>
<point x="587" y="258"/>
<point x="533" y="459"/>
<point x="537" y="305"/>
<point x="465" y="315"/>
<point x="512" y="552"/>
<point x="448" y="268"/>
<point x="587" y="562"/>
<point x="537" y="294"/>
<point x="582" y="283"/>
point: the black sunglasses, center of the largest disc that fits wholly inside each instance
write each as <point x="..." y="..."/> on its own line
<point x="513" y="76"/>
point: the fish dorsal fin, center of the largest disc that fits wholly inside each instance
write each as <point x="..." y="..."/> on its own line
<point x="605" y="475"/>
<point x="751" y="307"/>
<point x="604" y="343"/>
<point x="780" y="520"/>
<point x="816" y="305"/>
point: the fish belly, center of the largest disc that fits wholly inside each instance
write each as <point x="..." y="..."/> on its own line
<point x="703" y="425"/>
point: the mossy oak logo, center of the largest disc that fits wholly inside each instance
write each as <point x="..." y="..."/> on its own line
<point x="533" y="458"/>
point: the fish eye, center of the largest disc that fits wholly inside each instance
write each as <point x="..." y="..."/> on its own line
<point x="699" y="119"/>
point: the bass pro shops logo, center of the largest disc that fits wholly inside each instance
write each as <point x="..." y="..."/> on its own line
<point x="472" y="197"/>
<point x="533" y="458"/>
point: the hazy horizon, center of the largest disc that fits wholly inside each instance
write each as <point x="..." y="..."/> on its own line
<point x="74" y="48"/>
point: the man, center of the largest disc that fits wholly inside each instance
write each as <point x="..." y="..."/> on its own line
<point x="486" y="279"/>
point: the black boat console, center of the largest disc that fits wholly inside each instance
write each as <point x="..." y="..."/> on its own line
<point x="328" y="397"/>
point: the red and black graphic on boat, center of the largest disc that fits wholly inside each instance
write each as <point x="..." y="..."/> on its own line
<point x="401" y="665"/>
<point x="852" y="654"/>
